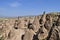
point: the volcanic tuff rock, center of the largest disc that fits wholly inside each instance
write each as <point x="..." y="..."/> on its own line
<point x="41" y="27"/>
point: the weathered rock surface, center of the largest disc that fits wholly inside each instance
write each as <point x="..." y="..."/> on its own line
<point x="41" y="27"/>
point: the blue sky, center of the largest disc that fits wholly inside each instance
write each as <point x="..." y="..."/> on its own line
<point x="14" y="8"/>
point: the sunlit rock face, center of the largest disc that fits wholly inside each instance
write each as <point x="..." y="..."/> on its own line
<point x="41" y="27"/>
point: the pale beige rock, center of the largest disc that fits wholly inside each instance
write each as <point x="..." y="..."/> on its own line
<point x="36" y="24"/>
<point x="8" y="32"/>
<point x="43" y="35"/>
<point x="29" y="34"/>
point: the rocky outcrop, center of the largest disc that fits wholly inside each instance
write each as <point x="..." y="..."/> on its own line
<point x="41" y="27"/>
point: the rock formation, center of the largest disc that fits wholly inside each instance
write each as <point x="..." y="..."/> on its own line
<point x="41" y="27"/>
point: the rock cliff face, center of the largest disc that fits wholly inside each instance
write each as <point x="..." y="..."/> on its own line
<point x="41" y="27"/>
